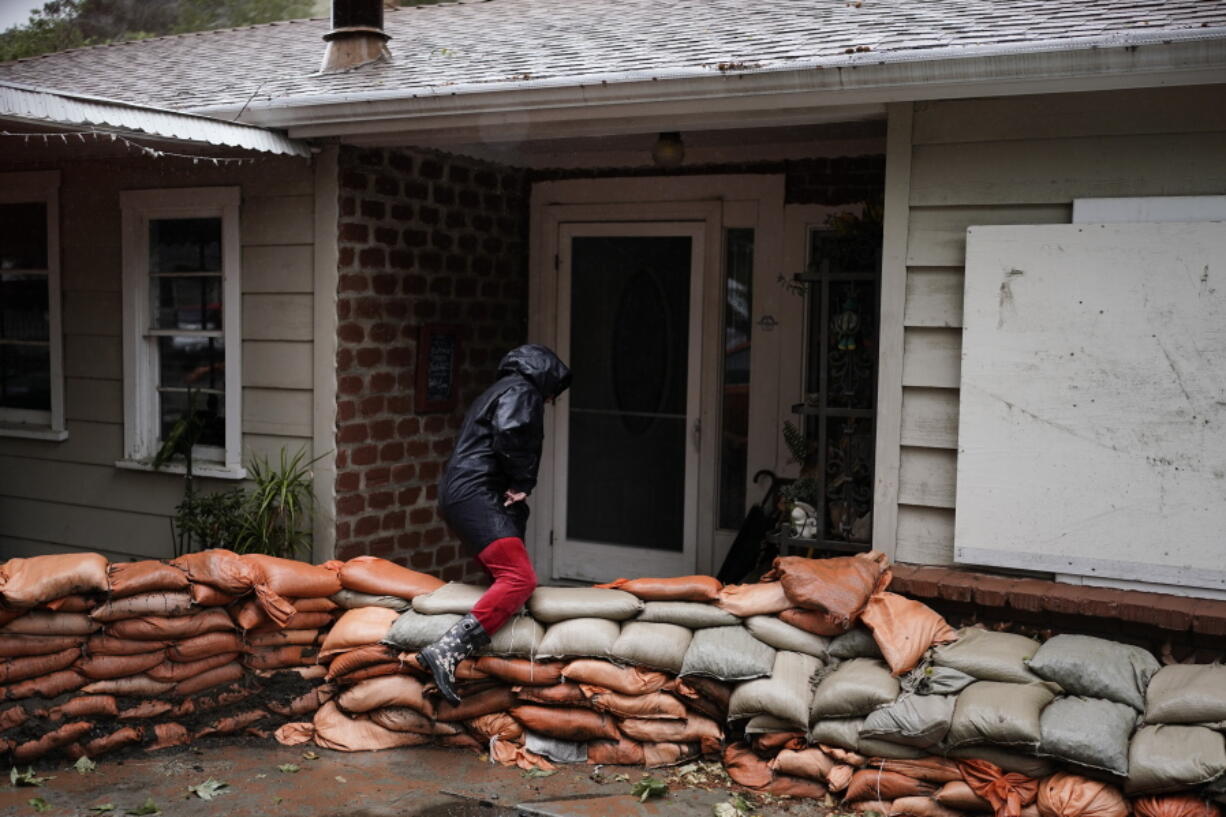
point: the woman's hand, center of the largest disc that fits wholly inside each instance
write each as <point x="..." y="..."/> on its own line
<point x="512" y="497"/>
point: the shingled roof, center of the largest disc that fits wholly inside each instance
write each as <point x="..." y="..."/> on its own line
<point x="452" y="48"/>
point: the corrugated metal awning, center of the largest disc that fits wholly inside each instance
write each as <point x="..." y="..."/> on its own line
<point x="52" y="108"/>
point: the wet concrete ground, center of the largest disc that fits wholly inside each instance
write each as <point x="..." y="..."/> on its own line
<point x="419" y="782"/>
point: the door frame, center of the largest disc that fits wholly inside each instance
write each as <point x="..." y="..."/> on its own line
<point x="718" y="202"/>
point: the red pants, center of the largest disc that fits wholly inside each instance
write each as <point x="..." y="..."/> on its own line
<point x="506" y="560"/>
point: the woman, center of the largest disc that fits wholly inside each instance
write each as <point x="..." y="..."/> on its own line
<point x="482" y="495"/>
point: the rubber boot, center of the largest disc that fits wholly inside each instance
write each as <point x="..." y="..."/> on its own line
<point x="441" y="657"/>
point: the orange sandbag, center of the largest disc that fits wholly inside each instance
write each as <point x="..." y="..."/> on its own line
<point x="768" y="743"/>
<point x="904" y="629"/>
<point x="8" y="614"/>
<point x="34" y="749"/>
<point x="403" y="719"/>
<point x="814" y="621"/>
<point x="42" y="623"/>
<point x="289" y="577"/>
<point x="388" y="690"/>
<point x="295" y="734"/>
<point x="203" y="646"/>
<point x="100" y="644"/>
<point x="930" y="769"/>
<point x="146" y="710"/>
<point x="679" y="588"/>
<point x="159" y="603"/>
<point x="208" y="679"/>
<point x="746" y="768"/>
<point x="1071" y="795"/>
<point x="131" y="686"/>
<point x="1008" y="793"/>
<point x="508" y="754"/>
<point x="205" y="596"/>
<point x="359" y="627"/>
<point x="485" y="702"/>
<point x="158" y="628"/>
<point x="45" y="686"/>
<point x="379" y="577"/>
<point x="71" y="604"/>
<point x="40" y="579"/>
<point x="622" y="752"/>
<point x="761" y="599"/>
<point x="566" y="723"/>
<point x="520" y="670"/>
<point x="167" y="735"/>
<point x="335" y="730"/>
<point x="282" y="638"/>
<point x="867" y="807"/>
<point x="13" y="670"/>
<point x="787" y="786"/>
<point x="811" y="764"/>
<point x="922" y="807"/>
<point x="844" y="755"/>
<point x="121" y="737"/>
<point x="372" y="671"/>
<point x="150" y="576"/>
<point x="648" y="705"/>
<point x="840" y="586"/>
<point x="957" y="794"/>
<point x="24" y="646"/>
<point x="85" y="706"/>
<point x="1175" y="805"/>
<point x="875" y="784"/>
<point x="498" y="725"/>
<point x="232" y="723"/>
<point x="278" y="657"/>
<point x="656" y="755"/>
<point x="626" y="680"/>
<point x="249" y="615"/>
<point x="102" y="667"/>
<point x="563" y="694"/>
<point x="707" y="695"/>
<point x="460" y="740"/>
<point x="220" y="569"/>
<point x="314" y="605"/>
<point x="305" y="703"/>
<point x="695" y="728"/>
<point x="361" y="657"/>
<point x="172" y="672"/>
<point x="296" y="621"/>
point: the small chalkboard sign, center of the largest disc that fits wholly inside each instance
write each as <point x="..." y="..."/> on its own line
<point x="438" y="364"/>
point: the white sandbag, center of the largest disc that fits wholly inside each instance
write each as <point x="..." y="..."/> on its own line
<point x="728" y="654"/>
<point x="1165" y="758"/>
<point x="552" y="604"/>
<point x="689" y="614"/>
<point x="651" y="644"/>
<point x="1000" y="714"/>
<point x="785" y="694"/>
<point x="989" y="656"/>
<point x="453" y="597"/>
<point x="520" y="637"/>
<point x="913" y="720"/>
<point x="1096" y="668"/>
<point x="1090" y="732"/>
<point x="352" y="599"/>
<point x="579" y="638"/>
<point x="841" y="732"/>
<point x="412" y="630"/>
<point x="854" y="689"/>
<point x="1187" y="693"/>
<point x="858" y="642"/>
<point x="783" y="636"/>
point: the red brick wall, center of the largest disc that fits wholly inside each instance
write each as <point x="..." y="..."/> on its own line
<point x="424" y="238"/>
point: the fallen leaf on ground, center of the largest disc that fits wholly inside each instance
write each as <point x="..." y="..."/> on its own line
<point x="208" y="789"/>
<point x="289" y="768"/>
<point x="28" y="777"/>
<point x="149" y="807"/>
<point x="39" y="804"/>
<point x="649" y="787"/>
<point x="102" y="808"/>
<point x="540" y="772"/>
<point x="340" y="779"/>
<point x="84" y="765"/>
<point x="310" y="756"/>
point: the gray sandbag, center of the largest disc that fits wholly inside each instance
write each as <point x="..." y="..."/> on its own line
<point x="690" y="614"/>
<point x="858" y="642"/>
<point x="453" y="597"/>
<point x="1090" y="732"/>
<point x="876" y="747"/>
<point x="1165" y="758"/>
<point x="1009" y="761"/>
<point x="652" y="644"/>
<point x="727" y="653"/>
<point x="989" y="656"/>
<point x="579" y="638"/>
<point x="552" y="604"/>
<point x="1187" y="693"/>
<point x="921" y="721"/>
<point x="853" y="689"/>
<point x="841" y="732"/>
<point x="1096" y="668"/>
<point x="556" y="749"/>
<point x="1216" y="791"/>
<point x="783" y="636"/>
<point x="765" y="724"/>
<point x="520" y="637"/>
<point x="785" y="694"/>
<point x="929" y="680"/>
<point x="351" y="599"/>
<point x="412" y="631"/>
<point x="999" y="713"/>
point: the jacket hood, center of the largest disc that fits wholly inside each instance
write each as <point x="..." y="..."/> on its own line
<point x="540" y="365"/>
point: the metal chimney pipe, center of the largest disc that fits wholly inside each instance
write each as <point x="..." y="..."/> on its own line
<point x="357" y="37"/>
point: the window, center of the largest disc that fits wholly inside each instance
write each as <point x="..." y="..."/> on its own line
<point x="31" y="376"/>
<point x="181" y="324"/>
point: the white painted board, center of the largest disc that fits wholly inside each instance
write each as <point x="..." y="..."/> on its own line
<point x="1092" y="411"/>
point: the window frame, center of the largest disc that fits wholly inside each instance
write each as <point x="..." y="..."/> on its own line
<point x="142" y="434"/>
<point x="41" y="186"/>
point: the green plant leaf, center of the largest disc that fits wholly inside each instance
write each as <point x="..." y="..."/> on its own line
<point x="649" y="787"/>
<point x="28" y="777"/>
<point x="149" y="807"/>
<point x="208" y="789"/>
<point x="39" y="804"/>
<point x="289" y="768"/>
<point x="540" y="772"/>
<point x="84" y="765"/>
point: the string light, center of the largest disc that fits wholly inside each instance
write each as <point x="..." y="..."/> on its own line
<point x="144" y="149"/>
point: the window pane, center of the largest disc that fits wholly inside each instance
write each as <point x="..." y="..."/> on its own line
<point x="209" y="412"/>
<point x="191" y="362"/>
<point x="23" y="307"/>
<point x="25" y="377"/>
<point x="734" y="414"/>
<point x="185" y="245"/>
<point x="189" y="302"/>
<point x="23" y="235"/>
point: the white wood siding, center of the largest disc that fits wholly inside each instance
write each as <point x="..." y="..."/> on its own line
<point x="1016" y="160"/>
<point x="70" y="495"/>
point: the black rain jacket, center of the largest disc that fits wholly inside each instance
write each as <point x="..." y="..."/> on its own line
<point x="499" y="448"/>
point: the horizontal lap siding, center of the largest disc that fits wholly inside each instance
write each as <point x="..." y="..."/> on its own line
<point x="1016" y="160"/>
<point x="69" y="495"/>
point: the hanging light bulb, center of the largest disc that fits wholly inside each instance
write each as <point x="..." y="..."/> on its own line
<point x="669" y="150"/>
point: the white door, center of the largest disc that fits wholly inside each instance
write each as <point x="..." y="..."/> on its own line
<point x="628" y="439"/>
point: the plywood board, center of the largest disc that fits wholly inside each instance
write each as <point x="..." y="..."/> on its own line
<point x="1092" y="421"/>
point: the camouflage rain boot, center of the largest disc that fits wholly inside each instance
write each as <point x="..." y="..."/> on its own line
<point x="443" y="655"/>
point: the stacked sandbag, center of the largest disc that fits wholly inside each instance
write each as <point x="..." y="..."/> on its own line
<point x="1180" y="745"/>
<point x="288" y="643"/>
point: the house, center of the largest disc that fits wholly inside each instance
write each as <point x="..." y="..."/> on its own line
<point x="672" y="196"/>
